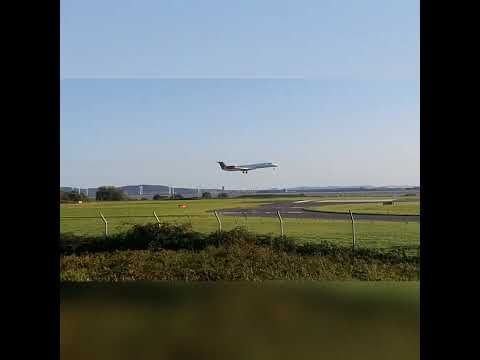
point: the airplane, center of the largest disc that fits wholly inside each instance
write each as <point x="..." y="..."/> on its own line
<point x="246" y="168"/>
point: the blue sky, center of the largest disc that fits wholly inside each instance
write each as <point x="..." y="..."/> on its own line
<point x="156" y="92"/>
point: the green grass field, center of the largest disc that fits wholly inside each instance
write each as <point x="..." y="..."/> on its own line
<point x="400" y="208"/>
<point x="376" y="234"/>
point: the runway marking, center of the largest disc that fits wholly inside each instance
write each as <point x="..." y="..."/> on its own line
<point x="302" y="201"/>
<point x="354" y="201"/>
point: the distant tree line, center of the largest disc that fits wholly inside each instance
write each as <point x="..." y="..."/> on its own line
<point x="72" y="196"/>
<point x="110" y="193"/>
<point x="208" y="195"/>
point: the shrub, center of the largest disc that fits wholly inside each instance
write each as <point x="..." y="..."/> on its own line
<point x="237" y="261"/>
<point x="110" y="193"/>
<point x="168" y="236"/>
<point x="72" y="196"/>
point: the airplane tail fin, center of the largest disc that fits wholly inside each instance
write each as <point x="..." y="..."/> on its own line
<point x="222" y="164"/>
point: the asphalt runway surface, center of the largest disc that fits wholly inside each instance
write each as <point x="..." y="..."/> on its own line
<point x="299" y="210"/>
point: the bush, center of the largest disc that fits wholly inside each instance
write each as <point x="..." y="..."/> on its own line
<point x="168" y="236"/>
<point x="110" y="193"/>
<point x="206" y="195"/>
<point x="176" y="252"/>
<point x="222" y="195"/>
<point x="72" y="196"/>
<point x="156" y="197"/>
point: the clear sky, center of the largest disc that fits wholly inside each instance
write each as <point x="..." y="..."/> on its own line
<point x="156" y="92"/>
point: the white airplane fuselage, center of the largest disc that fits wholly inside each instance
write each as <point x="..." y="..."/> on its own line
<point x="246" y="168"/>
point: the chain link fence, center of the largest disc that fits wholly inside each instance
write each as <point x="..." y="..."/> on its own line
<point x="371" y="234"/>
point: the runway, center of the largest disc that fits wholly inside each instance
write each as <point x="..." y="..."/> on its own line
<point x="299" y="210"/>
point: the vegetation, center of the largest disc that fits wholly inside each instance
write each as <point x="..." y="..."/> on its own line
<point x="176" y="252"/>
<point x="374" y="320"/>
<point x="110" y="193"/>
<point x="72" y="196"/>
<point x="222" y="195"/>
<point x="206" y="195"/>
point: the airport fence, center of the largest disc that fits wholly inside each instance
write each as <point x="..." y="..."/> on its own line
<point x="356" y="233"/>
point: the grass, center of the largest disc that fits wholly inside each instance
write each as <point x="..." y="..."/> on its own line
<point x="371" y="234"/>
<point x="400" y="208"/>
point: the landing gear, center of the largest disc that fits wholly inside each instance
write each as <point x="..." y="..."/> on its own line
<point x="245" y="172"/>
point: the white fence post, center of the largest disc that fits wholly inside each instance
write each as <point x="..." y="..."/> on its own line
<point x="156" y="217"/>
<point x="281" y="222"/>
<point x="218" y="219"/>
<point x="353" y="230"/>
<point x="106" y="224"/>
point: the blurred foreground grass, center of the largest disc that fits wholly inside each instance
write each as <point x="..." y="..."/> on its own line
<point x="273" y="320"/>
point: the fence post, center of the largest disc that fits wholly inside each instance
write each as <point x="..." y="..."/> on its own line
<point x="156" y="217"/>
<point x="353" y="230"/>
<point x="218" y="219"/>
<point x="281" y="222"/>
<point x="106" y="224"/>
